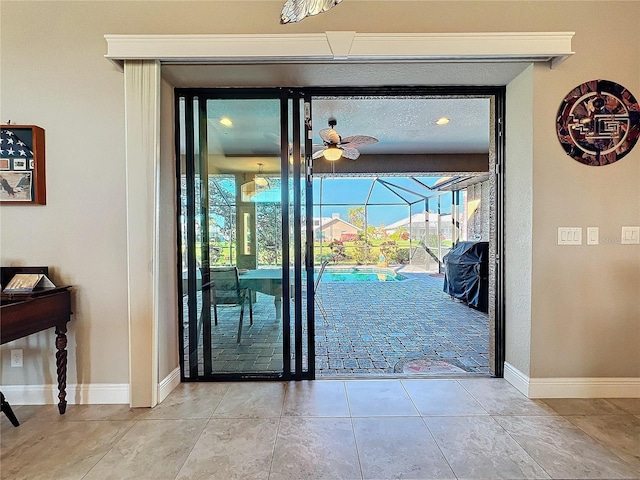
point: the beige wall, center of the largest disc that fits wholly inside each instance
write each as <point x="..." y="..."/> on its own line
<point x="585" y="300"/>
<point x="519" y="219"/>
<point x="168" y="308"/>
<point x="584" y="314"/>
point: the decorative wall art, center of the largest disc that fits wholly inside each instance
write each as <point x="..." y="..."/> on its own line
<point x="22" y="179"/>
<point x="598" y="122"/>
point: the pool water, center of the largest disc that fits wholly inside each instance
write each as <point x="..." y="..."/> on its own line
<point x="360" y="274"/>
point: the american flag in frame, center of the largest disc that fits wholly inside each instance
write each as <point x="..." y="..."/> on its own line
<point x="22" y="171"/>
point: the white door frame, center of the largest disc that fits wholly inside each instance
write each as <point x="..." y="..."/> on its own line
<point x="141" y="58"/>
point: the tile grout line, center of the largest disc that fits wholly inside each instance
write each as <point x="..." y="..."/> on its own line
<point x="424" y="421"/>
<point x="133" y="423"/>
<point x="518" y="443"/>
<point x="353" y="430"/>
<point x="192" y="447"/>
<point x="273" y="450"/>
<point x="602" y="444"/>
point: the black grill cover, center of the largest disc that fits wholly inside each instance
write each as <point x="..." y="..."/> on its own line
<point x="466" y="273"/>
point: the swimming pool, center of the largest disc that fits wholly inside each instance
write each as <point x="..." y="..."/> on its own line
<point x="360" y="274"/>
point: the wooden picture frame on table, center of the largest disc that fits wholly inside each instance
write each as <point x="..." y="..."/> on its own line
<point x="22" y="166"/>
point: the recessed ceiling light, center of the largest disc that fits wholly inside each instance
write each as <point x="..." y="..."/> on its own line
<point x="226" y="121"/>
<point x="442" y="121"/>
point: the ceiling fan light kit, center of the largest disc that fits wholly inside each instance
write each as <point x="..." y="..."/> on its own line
<point x="332" y="153"/>
<point x="336" y="147"/>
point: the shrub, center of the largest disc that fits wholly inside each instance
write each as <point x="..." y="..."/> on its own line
<point x="337" y="251"/>
<point x="402" y="256"/>
<point x="362" y="253"/>
<point x="389" y="249"/>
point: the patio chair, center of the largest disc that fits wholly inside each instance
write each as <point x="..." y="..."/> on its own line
<point x="316" y="299"/>
<point x="224" y="288"/>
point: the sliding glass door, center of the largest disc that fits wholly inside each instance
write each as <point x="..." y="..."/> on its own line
<point x="242" y="235"/>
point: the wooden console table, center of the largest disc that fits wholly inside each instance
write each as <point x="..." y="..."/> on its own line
<point x="23" y="314"/>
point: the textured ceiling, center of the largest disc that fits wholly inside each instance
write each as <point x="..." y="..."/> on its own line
<point x="402" y="125"/>
<point x="408" y="125"/>
<point x="342" y="74"/>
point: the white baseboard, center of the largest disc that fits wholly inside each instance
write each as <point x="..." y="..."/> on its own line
<point x="166" y="386"/>
<point x="516" y="378"/>
<point x="96" y="393"/>
<point x="85" y="394"/>
<point x="588" y="387"/>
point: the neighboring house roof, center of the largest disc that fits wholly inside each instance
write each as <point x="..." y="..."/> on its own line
<point x="417" y="218"/>
<point x="332" y="222"/>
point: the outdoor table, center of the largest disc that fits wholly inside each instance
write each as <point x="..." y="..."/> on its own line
<point x="267" y="281"/>
<point x="263" y="280"/>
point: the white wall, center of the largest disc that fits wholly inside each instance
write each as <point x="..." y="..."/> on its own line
<point x="584" y="314"/>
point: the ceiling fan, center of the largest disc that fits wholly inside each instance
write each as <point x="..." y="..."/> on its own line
<point x="336" y="147"/>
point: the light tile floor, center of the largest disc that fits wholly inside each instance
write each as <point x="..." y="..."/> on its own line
<point x="470" y="428"/>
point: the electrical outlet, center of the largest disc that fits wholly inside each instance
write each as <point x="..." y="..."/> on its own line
<point x="630" y="235"/>
<point x="16" y="358"/>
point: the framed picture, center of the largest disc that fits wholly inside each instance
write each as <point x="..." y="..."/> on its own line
<point x="22" y="174"/>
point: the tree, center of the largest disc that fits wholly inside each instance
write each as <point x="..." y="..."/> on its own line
<point x="268" y="233"/>
<point x="356" y="216"/>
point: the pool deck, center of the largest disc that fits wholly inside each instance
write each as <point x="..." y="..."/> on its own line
<point x="376" y="328"/>
<point x="371" y="329"/>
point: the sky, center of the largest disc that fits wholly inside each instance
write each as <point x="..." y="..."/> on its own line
<point x="387" y="197"/>
<point x="385" y="206"/>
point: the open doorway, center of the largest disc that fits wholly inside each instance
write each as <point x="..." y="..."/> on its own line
<point x="386" y="222"/>
<point x="384" y="309"/>
<point x="412" y="148"/>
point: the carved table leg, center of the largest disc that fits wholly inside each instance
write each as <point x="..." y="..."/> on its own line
<point x="6" y="409"/>
<point x="61" y="365"/>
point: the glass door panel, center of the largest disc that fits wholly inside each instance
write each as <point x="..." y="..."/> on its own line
<point x="301" y="264"/>
<point x="240" y="223"/>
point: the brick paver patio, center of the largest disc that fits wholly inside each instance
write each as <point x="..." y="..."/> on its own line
<point x="371" y="329"/>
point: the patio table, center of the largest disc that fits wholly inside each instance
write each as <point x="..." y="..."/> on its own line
<point x="267" y="281"/>
<point x="263" y="280"/>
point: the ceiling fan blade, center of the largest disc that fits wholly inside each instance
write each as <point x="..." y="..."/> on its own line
<point x="272" y="137"/>
<point x="275" y="139"/>
<point x="350" y="153"/>
<point x="329" y="135"/>
<point x="356" y="141"/>
<point x="296" y="10"/>
<point x="318" y="154"/>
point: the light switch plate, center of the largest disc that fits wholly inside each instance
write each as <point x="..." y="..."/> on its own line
<point x="630" y="235"/>
<point x="593" y="234"/>
<point x="569" y="235"/>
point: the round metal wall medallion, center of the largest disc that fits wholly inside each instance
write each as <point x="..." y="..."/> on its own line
<point x="598" y="122"/>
